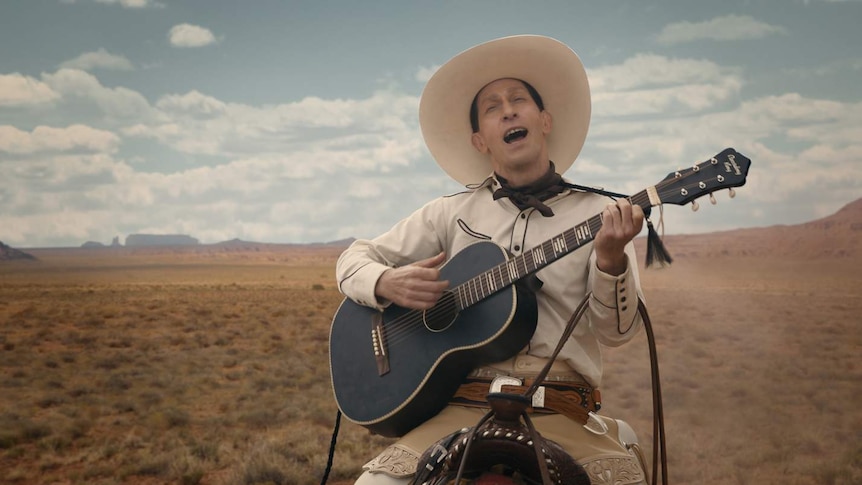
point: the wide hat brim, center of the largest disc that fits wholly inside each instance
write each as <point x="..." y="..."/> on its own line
<point x="547" y="64"/>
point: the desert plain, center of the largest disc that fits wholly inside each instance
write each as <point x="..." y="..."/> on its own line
<point x="209" y="364"/>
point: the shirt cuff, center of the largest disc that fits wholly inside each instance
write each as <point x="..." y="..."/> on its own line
<point x="360" y="286"/>
<point x="617" y="292"/>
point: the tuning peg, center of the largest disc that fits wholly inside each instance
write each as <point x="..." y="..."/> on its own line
<point x="694" y="206"/>
<point x="731" y="192"/>
<point x="712" y="199"/>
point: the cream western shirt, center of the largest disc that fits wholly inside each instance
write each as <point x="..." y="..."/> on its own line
<point x="453" y="222"/>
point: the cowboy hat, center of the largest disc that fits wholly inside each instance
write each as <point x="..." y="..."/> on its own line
<point x="547" y="64"/>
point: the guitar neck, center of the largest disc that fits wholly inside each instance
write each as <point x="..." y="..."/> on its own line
<point x="531" y="260"/>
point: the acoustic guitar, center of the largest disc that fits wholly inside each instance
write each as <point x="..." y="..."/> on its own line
<point x="393" y="370"/>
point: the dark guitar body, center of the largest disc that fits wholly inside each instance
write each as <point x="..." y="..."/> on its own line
<point x="425" y="367"/>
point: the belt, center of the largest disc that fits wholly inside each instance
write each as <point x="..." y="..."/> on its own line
<point x="569" y="399"/>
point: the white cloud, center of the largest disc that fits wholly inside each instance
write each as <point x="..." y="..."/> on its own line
<point x="46" y="138"/>
<point x="18" y="90"/>
<point x="192" y="104"/>
<point x="652" y="84"/>
<point x="644" y="70"/>
<point x="802" y="150"/>
<point x="266" y="157"/>
<point x="217" y="170"/>
<point x="368" y="134"/>
<point x="132" y="3"/>
<point x="115" y="103"/>
<point x="424" y="73"/>
<point x="726" y="28"/>
<point x="100" y="59"/>
<point x="188" y="35"/>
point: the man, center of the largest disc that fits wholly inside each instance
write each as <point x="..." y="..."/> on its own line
<point x="504" y="118"/>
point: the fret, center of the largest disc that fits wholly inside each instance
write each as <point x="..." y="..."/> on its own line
<point x="524" y="264"/>
<point x="484" y="290"/>
<point x="528" y="261"/>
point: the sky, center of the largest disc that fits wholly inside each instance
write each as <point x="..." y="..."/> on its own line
<point x="296" y="121"/>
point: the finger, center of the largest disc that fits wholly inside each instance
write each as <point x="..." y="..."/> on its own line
<point x="638" y="216"/>
<point x="625" y="208"/>
<point x="611" y="216"/>
<point x="433" y="261"/>
<point x="429" y="286"/>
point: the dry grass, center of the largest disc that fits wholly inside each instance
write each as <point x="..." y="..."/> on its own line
<point x="212" y="368"/>
<point x="127" y="368"/>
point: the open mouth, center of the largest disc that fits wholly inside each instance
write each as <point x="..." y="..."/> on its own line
<point x="515" y="134"/>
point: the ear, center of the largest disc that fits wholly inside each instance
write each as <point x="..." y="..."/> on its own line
<point x="479" y="143"/>
<point x="547" y="122"/>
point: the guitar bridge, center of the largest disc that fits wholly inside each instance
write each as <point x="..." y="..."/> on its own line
<point x="378" y="341"/>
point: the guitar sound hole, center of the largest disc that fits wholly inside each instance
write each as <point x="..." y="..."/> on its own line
<point x="441" y="316"/>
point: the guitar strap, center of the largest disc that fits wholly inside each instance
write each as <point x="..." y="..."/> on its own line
<point x="659" y="446"/>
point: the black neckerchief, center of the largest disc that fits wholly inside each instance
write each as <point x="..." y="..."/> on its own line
<point x="533" y="195"/>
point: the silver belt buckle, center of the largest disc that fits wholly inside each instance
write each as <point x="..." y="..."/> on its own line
<point x="500" y="381"/>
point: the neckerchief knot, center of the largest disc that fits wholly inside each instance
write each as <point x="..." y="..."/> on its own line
<point x="534" y="194"/>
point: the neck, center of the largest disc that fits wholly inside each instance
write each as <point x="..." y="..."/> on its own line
<point x="523" y="175"/>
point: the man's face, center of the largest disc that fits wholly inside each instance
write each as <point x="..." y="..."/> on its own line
<point x="512" y="129"/>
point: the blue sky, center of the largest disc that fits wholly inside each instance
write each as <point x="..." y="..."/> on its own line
<point x="287" y="121"/>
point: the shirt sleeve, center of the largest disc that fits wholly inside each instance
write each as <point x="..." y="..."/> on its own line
<point x="614" y="302"/>
<point x="414" y="238"/>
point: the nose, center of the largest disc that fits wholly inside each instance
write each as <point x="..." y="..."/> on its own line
<point x="509" y="111"/>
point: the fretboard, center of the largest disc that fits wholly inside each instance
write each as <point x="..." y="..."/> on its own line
<point x="531" y="260"/>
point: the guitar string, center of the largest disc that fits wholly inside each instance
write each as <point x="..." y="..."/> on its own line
<point x="399" y="329"/>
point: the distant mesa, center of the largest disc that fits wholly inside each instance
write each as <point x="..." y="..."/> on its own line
<point x="8" y="253"/>
<point x="341" y="242"/>
<point x="232" y="245"/>
<point x="837" y="235"/>
<point x="137" y="240"/>
<point x="141" y="240"/>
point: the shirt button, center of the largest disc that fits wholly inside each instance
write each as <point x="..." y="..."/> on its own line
<point x="523" y="216"/>
<point x="516" y="247"/>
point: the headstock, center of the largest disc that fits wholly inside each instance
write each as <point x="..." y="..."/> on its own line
<point x="726" y="170"/>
